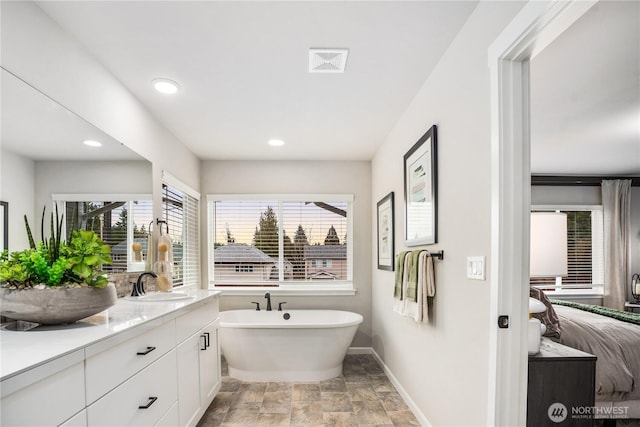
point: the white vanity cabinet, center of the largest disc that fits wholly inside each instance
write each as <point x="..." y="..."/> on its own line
<point x="111" y="362"/>
<point x="161" y="369"/>
<point x="198" y="362"/>
<point x="210" y="375"/>
<point x="78" y="420"/>
<point x="142" y="400"/>
<point x="49" y="394"/>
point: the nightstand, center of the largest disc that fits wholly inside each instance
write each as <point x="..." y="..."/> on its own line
<point x="633" y="307"/>
<point x="560" y="378"/>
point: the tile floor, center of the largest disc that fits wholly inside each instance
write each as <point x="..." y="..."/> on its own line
<point x="361" y="396"/>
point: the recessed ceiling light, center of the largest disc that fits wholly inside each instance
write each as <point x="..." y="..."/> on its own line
<point x="91" y="143"/>
<point x="276" y="142"/>
<point x="166" y="86"/>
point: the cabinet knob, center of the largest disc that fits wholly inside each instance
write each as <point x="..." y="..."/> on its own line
<point x="152" y="400"/>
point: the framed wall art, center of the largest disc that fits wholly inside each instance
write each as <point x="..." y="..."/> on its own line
<point x="386" y="249"/>
<point x="421" y="191"/>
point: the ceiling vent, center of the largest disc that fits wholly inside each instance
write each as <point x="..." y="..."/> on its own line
<point x="327" y="60"/>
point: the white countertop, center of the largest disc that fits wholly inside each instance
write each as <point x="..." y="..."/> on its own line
<point x="21" y="350"/>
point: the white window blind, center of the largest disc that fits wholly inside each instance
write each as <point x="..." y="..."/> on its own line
<point x="280" y="240"/>
<point x="181" y="212"/>
<point x="585" y="257"/>
<point x="118" y="219"/>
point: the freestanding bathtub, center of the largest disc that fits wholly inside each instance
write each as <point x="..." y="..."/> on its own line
<point x="308" y="346"/>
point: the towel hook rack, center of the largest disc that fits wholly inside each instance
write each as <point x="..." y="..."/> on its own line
<point x="159" y="222"/>
<point x="439" y="254"/>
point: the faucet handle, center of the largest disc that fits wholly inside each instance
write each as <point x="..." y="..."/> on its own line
<point x="134" y="291"/>
<point x="257" y="305"/>
<point x="280" y="305"/>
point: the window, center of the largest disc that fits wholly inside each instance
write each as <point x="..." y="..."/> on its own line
<point x="284" y="241"/>
<point x="119" y="220"/>
<point x="585" y="247"/>
<point x="181" y="207"/>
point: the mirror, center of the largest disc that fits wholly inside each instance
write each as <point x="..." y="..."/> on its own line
<point x="44" y="159"/>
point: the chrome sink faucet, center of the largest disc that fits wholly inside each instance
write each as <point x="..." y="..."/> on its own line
<point x="138" y="288"/>
<point x="268" y="298"/>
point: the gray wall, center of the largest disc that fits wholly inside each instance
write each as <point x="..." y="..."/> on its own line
<point x="302" y="177"/>
<point x="444" y="365"/>
<point x="17" y="176"/>
<point x="117" y="177"/>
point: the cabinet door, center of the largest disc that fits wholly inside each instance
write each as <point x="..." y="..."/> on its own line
<point x="170" y="419"/>
<point x="189" y="379"/>
<point x="210" y="365"/>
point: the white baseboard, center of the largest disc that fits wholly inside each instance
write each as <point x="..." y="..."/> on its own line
<point x="408" y="400"/>
<point x="360" y="350"/>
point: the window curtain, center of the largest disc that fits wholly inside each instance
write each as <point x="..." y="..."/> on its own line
<point x="616" y="204"/>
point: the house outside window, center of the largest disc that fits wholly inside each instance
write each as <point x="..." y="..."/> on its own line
<point x="319" y="261"/>
<point x="284" y="241"/>
<point x="585" y="246"/>
<point x="244" y="268"/>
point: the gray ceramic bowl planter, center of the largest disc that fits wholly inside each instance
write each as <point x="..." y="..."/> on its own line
<point x="55" y="305"/>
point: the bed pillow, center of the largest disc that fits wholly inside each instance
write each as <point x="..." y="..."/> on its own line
<point x="549" y="318"/>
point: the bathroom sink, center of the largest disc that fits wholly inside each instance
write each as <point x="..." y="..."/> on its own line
<point x="160" y="296"/>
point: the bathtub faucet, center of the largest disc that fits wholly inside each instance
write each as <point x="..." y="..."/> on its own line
<point x="268" y="298"/>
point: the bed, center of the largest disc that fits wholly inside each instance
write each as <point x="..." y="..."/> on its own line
<point x="614" y="338"/>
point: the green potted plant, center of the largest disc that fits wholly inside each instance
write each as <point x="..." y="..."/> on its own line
<point x="54" y="281"/>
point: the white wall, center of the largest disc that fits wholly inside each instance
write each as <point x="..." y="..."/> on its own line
<point x="38" y="51"/>
<point x="299" y="177"/>
<point x="443" y="365"/>
<point x="17" y="188"/>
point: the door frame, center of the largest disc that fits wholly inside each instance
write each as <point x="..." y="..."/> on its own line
<point x="533" y="28"/>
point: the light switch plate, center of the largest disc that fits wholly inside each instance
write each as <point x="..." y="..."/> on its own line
<point x="476" y="267"/>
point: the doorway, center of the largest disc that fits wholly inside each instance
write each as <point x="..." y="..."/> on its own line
<point x="532" y="29"/>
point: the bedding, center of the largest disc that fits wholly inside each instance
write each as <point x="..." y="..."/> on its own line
<point x="616" y="344"/>
<point x="549" y="318"/>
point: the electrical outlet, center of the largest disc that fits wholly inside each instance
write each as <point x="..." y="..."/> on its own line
<point x="476" y="267"/>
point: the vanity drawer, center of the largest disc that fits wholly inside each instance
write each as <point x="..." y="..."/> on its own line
<point x="106" y="369"/>
<point x="48" y="402"/>
<point x="197" y="319"/>
<point x="154" y="387"/>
